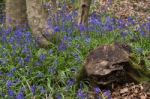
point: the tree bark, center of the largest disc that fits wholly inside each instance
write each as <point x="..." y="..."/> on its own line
<point x="37" y="20"/>
<point x="15" y="13"/>
<point x="54" y="11"/>
<point x="84" y="12"/>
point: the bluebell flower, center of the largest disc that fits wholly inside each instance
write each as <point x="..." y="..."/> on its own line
<point x="11" y="93"/>
<point x="33" y="89"/>
<point x="27" y="59"/>
<point x="4" y="39"/>
<point x="1" y="74"/>
<point x="95" y="21"/>
<point x="62" y="46"/>
<point x="82" y="28"/>
<point x="81" y="85"/>
<point x="42" y="90"/>
<point x="21" y="61"/>
<point x="80" y="94"/>
<point x="7" y="31"/>
<point x="42" y="57"/>
<point x="148" y="27"/>
<point x="12" y="40"/>
<point x="10" y="74"/>
<point x="142" y="32"/>
<point x="56" y="29"/>
<point x="13" y="69"/>
<point x="130" y="20"/>
<point x="107" y="94"/>
<point x="38" y="63"/>
<point x="97" y="90"/>
<point x="87" y="39"/>
<point x="20" y="95"/>
<point x="121" y="24"/>
<point x="65" y="38"/>
<point x="9" y="84"/>
<point x="71" y="82"/>
<point x="18" y="33"/>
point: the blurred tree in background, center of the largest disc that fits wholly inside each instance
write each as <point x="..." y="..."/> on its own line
<point x="35" y="14"/>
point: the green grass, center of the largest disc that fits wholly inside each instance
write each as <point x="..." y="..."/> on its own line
<point x="25" y="68"/>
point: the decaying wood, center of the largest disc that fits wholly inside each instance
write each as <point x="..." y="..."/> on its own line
<point x="114" y="63"/>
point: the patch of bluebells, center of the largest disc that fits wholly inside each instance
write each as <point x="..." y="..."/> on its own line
<point x="20" y="95"/>
<point x="19" y="60"/>
<point x="81" y="94"/>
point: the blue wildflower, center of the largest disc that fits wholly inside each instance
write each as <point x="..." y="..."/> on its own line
<point x="1" y="73"/>
<point x="27" y="59"/>
<point x="25" y="50"/>
<point x="21" y="61"/>
<point x="9" y="84"/>
<point x="97" y="90"/>
<point x="80" y="94"/>
<point x="11" y="93"/>
<point x="33" y="89"/>
<point x="82" y="28"/>
<point x="56" y="29"/>
<point x="11" y="40"/>
<point x="42" y="57"/>
<point x="10" y="74"/>
<point x="88" y="39"/>
<point x="62" y="46"/>
<point x="121" y="24"/>
<point x="42" y="90"/>
<point x="107" y="94"/>
<point x="13" y="69"/>
<point x="71" y="82"/>
<point x="130" y="20"/>
<point x="20" y="95"/>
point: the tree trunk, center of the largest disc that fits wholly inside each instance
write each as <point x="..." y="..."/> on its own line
<point x="15" y="12"/>
<point x="37" y="20"/>
<point x="84" y="12"/>
<point x="54" y="11"/>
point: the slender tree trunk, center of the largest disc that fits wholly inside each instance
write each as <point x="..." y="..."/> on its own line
<point x="37" y="20"/>
<point x="15" y="12"/>
<point x="84" y="12"/>
<point x="54" y="11"/>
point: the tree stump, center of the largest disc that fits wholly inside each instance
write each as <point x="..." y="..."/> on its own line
<point x="114" y="64"/>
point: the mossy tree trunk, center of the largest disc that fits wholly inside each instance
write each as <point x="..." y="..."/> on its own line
<point x="15" y="12"/>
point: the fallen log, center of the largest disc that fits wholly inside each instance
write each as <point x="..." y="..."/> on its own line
<point x="114" y="64"/>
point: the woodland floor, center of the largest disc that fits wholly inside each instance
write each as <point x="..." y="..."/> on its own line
<point x="139" y="9"/>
